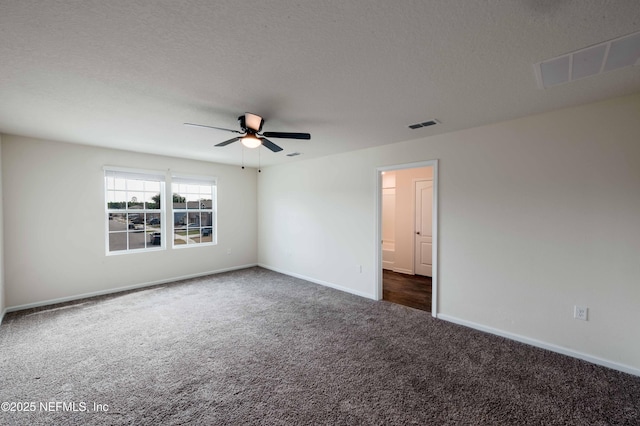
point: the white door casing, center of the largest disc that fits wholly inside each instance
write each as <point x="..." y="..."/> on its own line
<point x="378" y="233"/>
<point x="423" y="228"/>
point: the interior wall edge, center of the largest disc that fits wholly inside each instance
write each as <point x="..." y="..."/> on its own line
<point x="121" y="289"/>
<point x="543" y="345"/>
<point x="320" y="282"/>
<point x="3" y="299"/>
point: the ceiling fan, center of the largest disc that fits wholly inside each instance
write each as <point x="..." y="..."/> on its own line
<point x="250" y="136"/>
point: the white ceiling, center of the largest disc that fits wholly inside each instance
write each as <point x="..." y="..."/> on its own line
<point x="127" y="73"/>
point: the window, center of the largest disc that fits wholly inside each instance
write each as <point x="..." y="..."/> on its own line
<point x="134" y="210"/>
<point x="194" y="211"/>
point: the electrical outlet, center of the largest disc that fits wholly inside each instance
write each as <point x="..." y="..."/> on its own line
<point x="228" y="251"/>
<point x="580" y="312"/>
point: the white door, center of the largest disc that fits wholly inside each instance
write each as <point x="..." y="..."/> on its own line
<point x="424" y="228"/>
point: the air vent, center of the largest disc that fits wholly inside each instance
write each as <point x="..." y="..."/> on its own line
<point x="600" y="58"/>
<point x="293" y="154"/>
<point x="423" y="124"/>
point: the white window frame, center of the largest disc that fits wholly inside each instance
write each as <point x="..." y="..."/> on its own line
<point x="178" y="178"/>
<point x="139" y="174"/>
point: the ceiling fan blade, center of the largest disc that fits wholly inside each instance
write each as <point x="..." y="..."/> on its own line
<point x="287" y="135"/>
<point x="225" y="143"/>
<point x="272" y="146"/>
<point x="211" y="127"/>
<point x="253" y="121"/>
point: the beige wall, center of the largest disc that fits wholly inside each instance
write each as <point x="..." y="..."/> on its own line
<point x="54" y="222"/>
<point x="388" y="207"/>
<point x="536" y="215"/>
<point x="398" y="221"/>
<point x="405" y="215"/>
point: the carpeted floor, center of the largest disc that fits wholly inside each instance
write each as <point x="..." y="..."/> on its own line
<point x="257" y="347"/>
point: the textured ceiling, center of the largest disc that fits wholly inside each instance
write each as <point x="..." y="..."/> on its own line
<point x="126" y="74"/>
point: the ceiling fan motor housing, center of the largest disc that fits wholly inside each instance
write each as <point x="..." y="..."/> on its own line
<point x="248" y="129"/>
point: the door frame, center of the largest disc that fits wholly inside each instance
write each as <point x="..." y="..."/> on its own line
<point x="434" y="222"/>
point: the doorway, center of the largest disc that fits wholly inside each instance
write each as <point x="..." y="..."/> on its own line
<point x="407" y="234"/>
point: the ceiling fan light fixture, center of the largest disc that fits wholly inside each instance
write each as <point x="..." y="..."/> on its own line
<point x="251" y="141"/>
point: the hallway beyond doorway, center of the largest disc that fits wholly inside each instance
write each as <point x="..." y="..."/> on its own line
<point x="408" y="290"/>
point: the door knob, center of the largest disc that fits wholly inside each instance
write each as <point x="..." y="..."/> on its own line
<point x="417" y="232"/>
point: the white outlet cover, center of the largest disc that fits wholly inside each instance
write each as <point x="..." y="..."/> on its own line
<point x="580" y="312"/>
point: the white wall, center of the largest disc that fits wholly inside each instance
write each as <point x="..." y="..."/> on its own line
<point x="2" y="299"/>
<point x="54" y="222"/>
<point x="536" y="215"/>
<point x="316" y="220"/>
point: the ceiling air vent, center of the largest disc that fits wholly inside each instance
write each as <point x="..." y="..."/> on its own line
<point x="423" y="124"/>
<point x="600" y="58"/>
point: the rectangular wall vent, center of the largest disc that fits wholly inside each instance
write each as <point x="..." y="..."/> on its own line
<point x="423" y="124"/>
<point x="600" y="58"/>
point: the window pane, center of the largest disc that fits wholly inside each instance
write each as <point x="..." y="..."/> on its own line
<point x="118" y="241"/>
<point x="152" y="186"/>
<point x="155" y="238"/>
<point x="136" y="240"/>
<point x="180" y="219"/>
<point x="206" y="219"/>
<point x="152" y="200"/>
<point x="192" y="189"/>
<point x="179" y="187"/>
<point x="193" y="205"/>
<point x="117" y="222"/>
<point x="119" y="183"/>
<point x="116" y="200"/>
<point x="153" y="222"/>
<point x="193" y="235"/>
<point x="194" y="219"/>
<point x="178" y="200"/>
<point x="135" y="185"/>
<point x="136" y="220"/>
<point x="136" y="200"/>
<point x="207" y="235"/>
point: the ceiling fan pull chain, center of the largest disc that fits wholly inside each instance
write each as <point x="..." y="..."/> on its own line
<point x="259" y="162"/>
<point x="242" y="157"/>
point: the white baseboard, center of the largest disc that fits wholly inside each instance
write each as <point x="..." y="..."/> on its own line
<point x="316" y="281"/>
<point x="4" y="311"/>
<point x="387" y="265"/>
<point x="403" y="271"/>
<point x="119" y="289"/>
<point x="540" y="344"/>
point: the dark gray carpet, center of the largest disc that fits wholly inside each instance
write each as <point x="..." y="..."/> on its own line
<point x="257" y="347"/>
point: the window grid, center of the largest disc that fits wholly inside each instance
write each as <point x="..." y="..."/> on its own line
<point x="194" y="208"/>
<point x="135" y="211"/>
